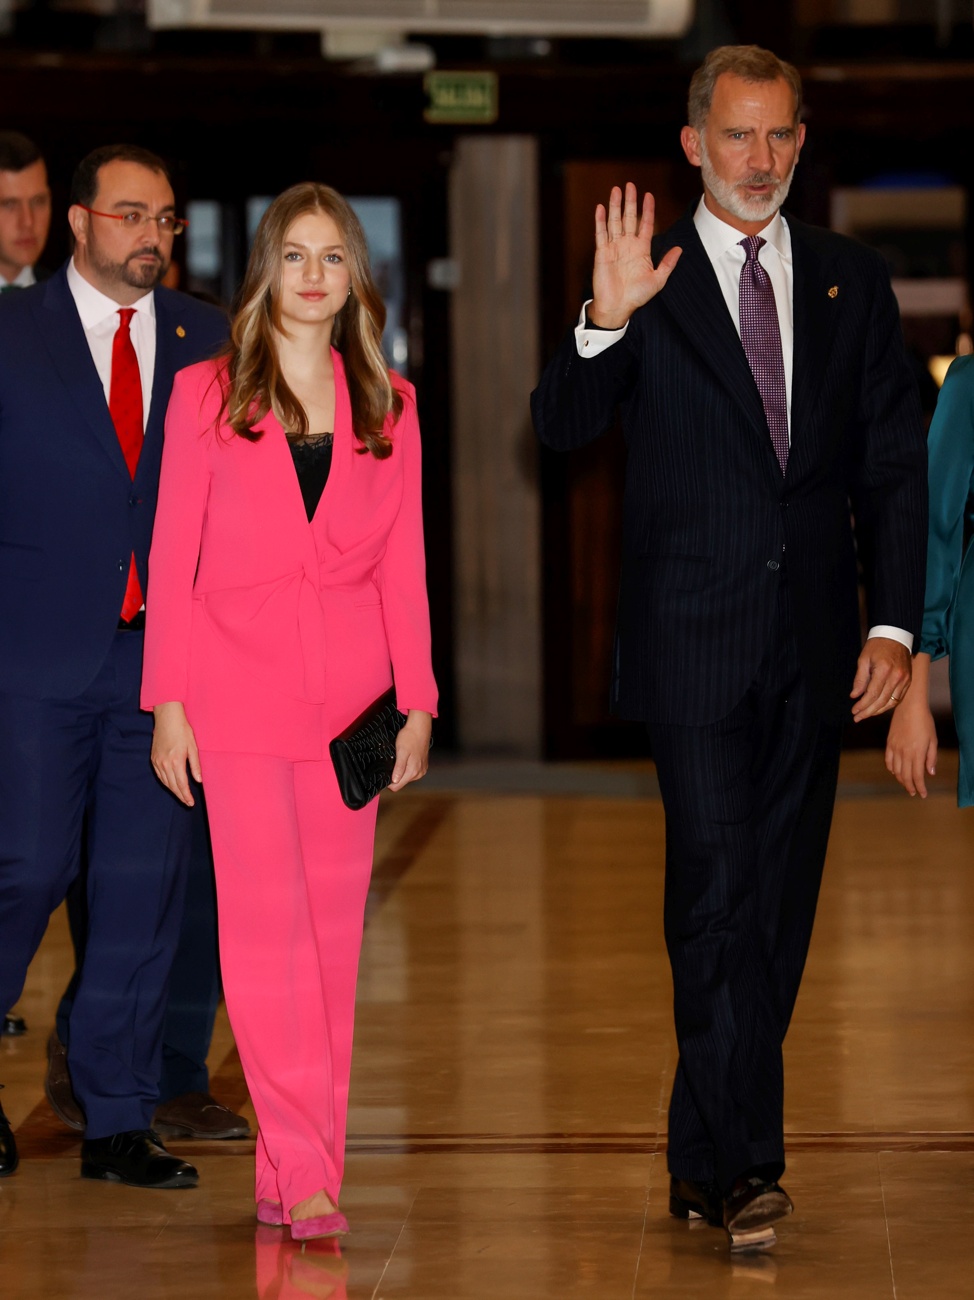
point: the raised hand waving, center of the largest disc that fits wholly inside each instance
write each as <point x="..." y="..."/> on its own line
<point x="625" y="277"/>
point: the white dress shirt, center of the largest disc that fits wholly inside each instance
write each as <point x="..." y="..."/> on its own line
<point x="100" y="321"/>
<point x="22" y="281"/>
<point x="722" y="244"/>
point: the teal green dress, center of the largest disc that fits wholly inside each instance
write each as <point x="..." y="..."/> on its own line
<point x="948" y="616"/>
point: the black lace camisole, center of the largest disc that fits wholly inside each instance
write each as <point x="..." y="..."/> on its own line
<point x="312" y="460"/>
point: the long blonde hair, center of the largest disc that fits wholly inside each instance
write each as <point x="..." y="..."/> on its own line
<point x="254" y="380"/>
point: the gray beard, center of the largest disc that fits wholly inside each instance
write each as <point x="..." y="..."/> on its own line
<point x="732" y="198"/>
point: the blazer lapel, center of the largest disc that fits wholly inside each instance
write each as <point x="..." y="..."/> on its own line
<point x="693" y="298"/>
<point x="285" y="480"/>
<point x="63" y="335"/>
<point x="814" y="319"/>
<point x="340" y="451"/>
<point x="163" y="372"/>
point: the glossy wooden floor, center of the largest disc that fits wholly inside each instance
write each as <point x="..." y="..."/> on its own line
<point x="513" y="1060"/>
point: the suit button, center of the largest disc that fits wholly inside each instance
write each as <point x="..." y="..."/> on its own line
<point x="121" y="566"/>
<point x="774" y="566"/>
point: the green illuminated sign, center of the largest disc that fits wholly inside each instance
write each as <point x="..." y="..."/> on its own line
<point x="461" y="97"/>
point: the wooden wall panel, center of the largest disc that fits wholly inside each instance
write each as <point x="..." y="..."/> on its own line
<point x="496" y="503"/>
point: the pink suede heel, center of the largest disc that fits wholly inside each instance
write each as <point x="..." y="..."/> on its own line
<point x="270" y="1213"/>
<point x="322" y="1225"/>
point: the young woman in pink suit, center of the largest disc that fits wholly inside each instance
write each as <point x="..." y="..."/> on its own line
<point x="280" y="610"/>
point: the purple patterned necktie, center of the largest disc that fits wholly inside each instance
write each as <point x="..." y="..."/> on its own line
<point x="761" y="338"/>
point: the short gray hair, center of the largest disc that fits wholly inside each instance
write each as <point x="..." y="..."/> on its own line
<point x="750" y="63"/>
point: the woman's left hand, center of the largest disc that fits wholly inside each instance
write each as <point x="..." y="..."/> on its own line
<point x="412" y="749"/>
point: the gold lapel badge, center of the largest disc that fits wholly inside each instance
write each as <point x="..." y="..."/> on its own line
<point x="181" y="333"/>
<point x="834" y="291"/>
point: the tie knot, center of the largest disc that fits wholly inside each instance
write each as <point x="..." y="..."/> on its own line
<point x="752" y="245"/>
<point x="126" y="314"/>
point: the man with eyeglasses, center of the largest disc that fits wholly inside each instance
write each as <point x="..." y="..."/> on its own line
<point x="87" y="361"/>
<point x="25" y="210"/>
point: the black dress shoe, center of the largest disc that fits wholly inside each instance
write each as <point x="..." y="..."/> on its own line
<point x="136" y="1158"/>
<point x="692" y="1200"/>
<point x="9" y="1160"/>
<point x="13" y="1025"/>
<point x="753" y="1204"/>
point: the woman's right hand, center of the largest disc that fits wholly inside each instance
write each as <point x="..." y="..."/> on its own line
<point x="174" y="749"/>
<point x="911" y="747"/>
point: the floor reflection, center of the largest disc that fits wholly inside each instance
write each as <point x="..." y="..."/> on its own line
<point x="289" y="1270"/>
<point x="514" y="1050"/>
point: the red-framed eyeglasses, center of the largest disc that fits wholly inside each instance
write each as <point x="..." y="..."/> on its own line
<point x="134" y="220"/>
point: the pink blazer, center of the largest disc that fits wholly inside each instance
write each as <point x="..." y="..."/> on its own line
<point x="275" y="633"/>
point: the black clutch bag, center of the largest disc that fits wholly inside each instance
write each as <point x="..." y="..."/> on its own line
<point x="365" y="752"/>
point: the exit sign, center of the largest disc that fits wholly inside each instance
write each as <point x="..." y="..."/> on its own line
<point x="461" y="97"/>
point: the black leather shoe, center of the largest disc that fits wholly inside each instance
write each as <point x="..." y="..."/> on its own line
<point x="753" y="1204"/>
<point x="136" y="1158"/>
<point x="691" y="1200"/>
<point x="9" y="1160"/>
<point x="13" y="1025"/>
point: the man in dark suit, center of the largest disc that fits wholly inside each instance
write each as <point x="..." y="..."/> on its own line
<point x="760" y="373"/>
<point x="25" y="222"/>
<point x="25" y="210"/>
<point x="87" y="361"/>
<point x="186" y="1109"/>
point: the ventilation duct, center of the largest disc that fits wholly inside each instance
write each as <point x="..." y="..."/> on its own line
<point x="609" y="18"/>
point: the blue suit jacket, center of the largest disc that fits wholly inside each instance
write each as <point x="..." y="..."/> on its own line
<point x="710" y="524"/>
<point x="70" y="513"/>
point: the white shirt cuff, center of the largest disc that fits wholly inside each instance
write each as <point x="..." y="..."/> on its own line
<point x="892" y="634"/>
<point x="591" y="342"/>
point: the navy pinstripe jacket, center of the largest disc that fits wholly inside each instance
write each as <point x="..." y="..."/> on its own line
<point x="710" y="525"/>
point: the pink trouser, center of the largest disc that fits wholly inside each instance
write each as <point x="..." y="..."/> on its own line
<point x="292" y="874"/>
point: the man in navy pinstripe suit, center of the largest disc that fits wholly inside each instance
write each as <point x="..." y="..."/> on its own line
<point x="773" y="434"/>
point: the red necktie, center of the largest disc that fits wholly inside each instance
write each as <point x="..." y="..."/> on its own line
<point x="125" y="406"/>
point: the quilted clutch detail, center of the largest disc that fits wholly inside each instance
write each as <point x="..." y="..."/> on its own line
<point x="364" y="754"/>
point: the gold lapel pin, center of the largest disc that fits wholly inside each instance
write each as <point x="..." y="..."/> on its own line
<point x="181" y="333"/>
<point x="834" y="291"/>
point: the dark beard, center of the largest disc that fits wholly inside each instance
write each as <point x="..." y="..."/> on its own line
<point x="134" y="275"/>
<point x="141" y="276"/>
